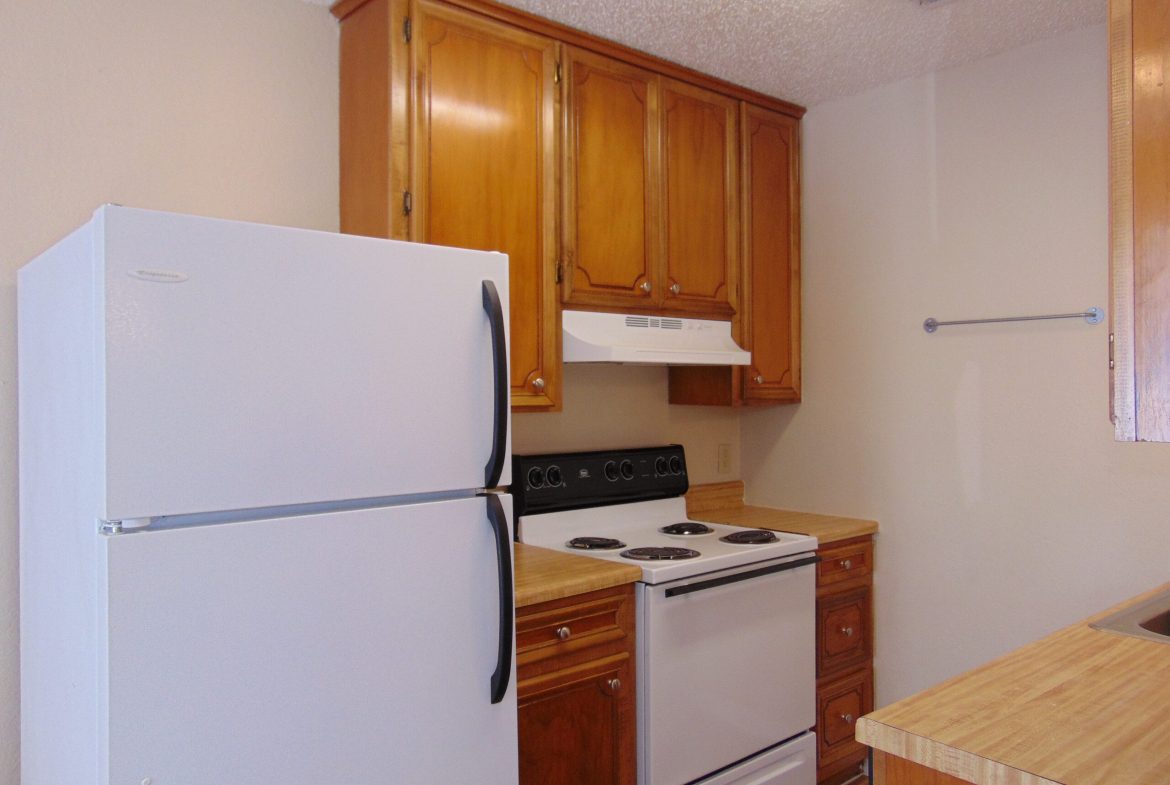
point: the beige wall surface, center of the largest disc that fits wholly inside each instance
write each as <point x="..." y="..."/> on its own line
<point x="608" y="406"/>
<point x="986" y="452"/>
<point x="212" y="107"/>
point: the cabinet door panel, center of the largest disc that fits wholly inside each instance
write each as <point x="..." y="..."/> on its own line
<point x="484" y="169"/>
<point x="610" y="207"/>
<point x="700" y="183"/>
<point x="771" y="243"/>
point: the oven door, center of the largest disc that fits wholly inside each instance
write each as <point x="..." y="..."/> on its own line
<point x="727" y="667"/>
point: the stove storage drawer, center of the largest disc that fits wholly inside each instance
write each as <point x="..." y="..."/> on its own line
<point x="844" y="636"/>
<point x="844" y="563"/>
<point x="571" y="626"/>
<point x="839" y="703"/>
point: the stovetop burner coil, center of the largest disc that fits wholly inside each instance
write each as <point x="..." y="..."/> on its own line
<point x="595" y="543"/>
<point x="687" y="528"/>
<point x="660" y="554"/>
<point x="750" y="537"/>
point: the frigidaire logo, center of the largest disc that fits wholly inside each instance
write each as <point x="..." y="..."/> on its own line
<point x="158" y="276"/>
<point x="582" y="474"/>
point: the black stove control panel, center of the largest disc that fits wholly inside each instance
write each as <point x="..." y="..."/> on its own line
<point x="570" y="480"/>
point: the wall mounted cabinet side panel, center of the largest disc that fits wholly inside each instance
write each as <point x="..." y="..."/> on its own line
<point x="484" y="169"/>
<point x="771" y="243"/>
<point x="699" y="143"/>
<point x="1151" y="211"/>
<point x="1122" y="399"/>
<point x="611" y="204"/>
<point x="373" y="123"/>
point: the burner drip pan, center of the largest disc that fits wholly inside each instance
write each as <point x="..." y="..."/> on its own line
<point x="660" y="554"/>
<point x="595" y="544"/>
<point x="687" y="528"/>
<point x="751" y="537"/>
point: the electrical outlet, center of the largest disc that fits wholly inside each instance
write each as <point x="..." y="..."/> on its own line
<point x="723" y="459"/>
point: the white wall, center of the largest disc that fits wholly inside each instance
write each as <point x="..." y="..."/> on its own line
<point x="216" y="107"/>
<point x="1007" y="509"/>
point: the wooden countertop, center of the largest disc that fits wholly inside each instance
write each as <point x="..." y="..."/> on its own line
<point x="723" y="503"/>
<point x="543" y="575"/>
<point x="1079" y="707"/>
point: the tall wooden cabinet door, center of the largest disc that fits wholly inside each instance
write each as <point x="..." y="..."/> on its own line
<point x="771" y="236"/>
<point x="612" y="247"/>
<point x="484" y="170"/>
<point x="700" y="189"/>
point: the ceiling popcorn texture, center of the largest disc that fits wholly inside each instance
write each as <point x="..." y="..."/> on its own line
<point x="810" y="51"/>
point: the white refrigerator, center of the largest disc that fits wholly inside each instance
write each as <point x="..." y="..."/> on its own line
<point x="260" y="542"/>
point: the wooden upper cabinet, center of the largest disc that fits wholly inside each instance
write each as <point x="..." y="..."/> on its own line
<point x="483" y="171"/>
<point x="699" y="143"/>
<point x="612" y="249"/>
<point x="767" y="322"/>
<point x="1139" y="164"/>
<point x="771" y="237"/>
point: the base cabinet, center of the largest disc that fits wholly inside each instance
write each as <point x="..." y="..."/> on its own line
<point x="844" y="656"/>
<point x="575" y="689"/>
<point x="892" y="770"/>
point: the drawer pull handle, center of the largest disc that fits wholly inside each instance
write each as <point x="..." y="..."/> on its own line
<point x="614" y="684"/>
<point x="564" y="632"/>
<point x="847" y="632"/>
<point x="848" y="718"/>
<point x="846" y="564"/>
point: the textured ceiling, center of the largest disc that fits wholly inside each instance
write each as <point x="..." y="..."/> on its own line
<point x="809" y="51"/>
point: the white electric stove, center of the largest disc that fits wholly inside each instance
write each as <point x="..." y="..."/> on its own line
<point x="726" y="625"/>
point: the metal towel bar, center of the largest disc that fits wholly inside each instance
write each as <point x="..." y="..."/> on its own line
<point x="1092" y="316"/>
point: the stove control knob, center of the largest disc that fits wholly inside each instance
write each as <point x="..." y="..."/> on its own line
<point x="552" y="475"/>
<point x="675" y="465"/>
<point x="564" y="632"/>
<point x="536" y="477"/>
<point x="611" y="471"/>
<point x="660" y="466"/>
<point x="626" y="467"/>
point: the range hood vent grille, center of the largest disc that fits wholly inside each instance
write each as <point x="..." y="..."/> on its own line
<point x="592" y="337"/>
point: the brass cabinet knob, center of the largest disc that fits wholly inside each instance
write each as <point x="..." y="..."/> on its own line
<point x="564" y="632"/>
<point x="538" y="384"/>
<point x="847" y="632"/>
<point x="848" y="718"/>
<point x="846" y="564"/>
<point x="758" y="379"/>
<point x="614" y="684"/>
<point x="645" y="286"/>
<point x="675" y="288"/>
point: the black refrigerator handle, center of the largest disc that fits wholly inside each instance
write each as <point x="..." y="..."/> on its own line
<point x="495" y="312"/>
<point x="499" y="522"/>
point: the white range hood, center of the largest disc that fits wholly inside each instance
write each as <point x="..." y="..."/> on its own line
<point x="592" y="337"/>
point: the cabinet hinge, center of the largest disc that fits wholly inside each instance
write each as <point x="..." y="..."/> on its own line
<point x="557" y="74"/>
<point x="407" y="202"/>
<point x="406" y="30"/>
<point x="1111" y="351"/>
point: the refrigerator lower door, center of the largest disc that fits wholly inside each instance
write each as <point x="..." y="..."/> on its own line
<point x="353" y="647"/>
<point x="271" y="366"/>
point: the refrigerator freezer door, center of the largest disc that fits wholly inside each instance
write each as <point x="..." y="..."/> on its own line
<point x="353" y="647"/>
<point x="256" y="366"/>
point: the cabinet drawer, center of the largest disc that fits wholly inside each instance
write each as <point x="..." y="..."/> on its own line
<point x="843" y="631"/>
<point x="839" y="703"/>
<point x="845" y="562"/>
<point x="557" y="629"/>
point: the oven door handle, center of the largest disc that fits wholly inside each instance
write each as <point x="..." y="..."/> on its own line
<point x="747" y="575"/>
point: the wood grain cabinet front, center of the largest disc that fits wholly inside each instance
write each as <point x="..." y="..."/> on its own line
<point x="767" y="321"/>
<point x="844" y="655"/>
<point x="575" y="689"/>
<point x="448" y="136"/>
